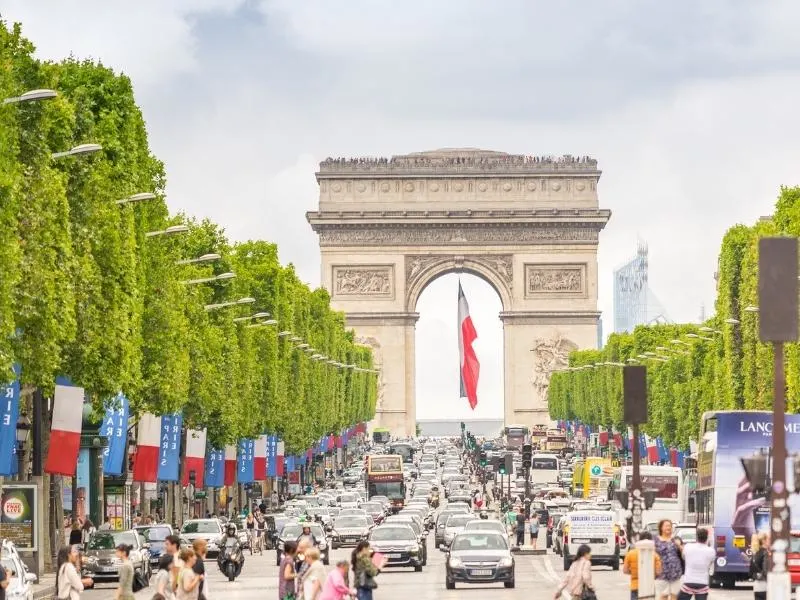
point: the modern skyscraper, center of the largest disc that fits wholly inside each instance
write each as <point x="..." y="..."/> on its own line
<point x="634" y="302"/>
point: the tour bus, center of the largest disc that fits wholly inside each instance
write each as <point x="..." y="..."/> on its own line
<point x="544" y="468"/>
<point x="380" y="435"/>
<point x="555" y="440"/>
<point x="592" y="477"/>
<point x="668" y="485"/>
<point x="404" y="449"/>
<point x="516" y="435"/>
<point x="384" y="477"/>
<point x="539" y="437"/>
<point x="724" y="502"/>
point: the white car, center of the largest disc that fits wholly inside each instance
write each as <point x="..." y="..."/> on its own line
<point x="20" y="585"/>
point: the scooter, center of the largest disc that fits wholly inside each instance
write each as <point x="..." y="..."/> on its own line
<point x="231" y="560"/>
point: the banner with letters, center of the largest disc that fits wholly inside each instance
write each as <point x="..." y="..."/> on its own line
<point x="115" y="430"/>
<point x="169" y="452"/>
<point x="8" y="425"/>
<point x="215" y="468"/>
<point x="245" y="461"/>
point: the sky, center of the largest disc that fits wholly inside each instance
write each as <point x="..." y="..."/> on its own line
<point x="690" y="109"/>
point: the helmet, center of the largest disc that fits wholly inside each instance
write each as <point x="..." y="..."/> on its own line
<point x="231" y="530"/>
<point x="306" y="528"/>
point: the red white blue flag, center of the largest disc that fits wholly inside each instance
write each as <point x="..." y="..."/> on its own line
<point x="469" y="367"/>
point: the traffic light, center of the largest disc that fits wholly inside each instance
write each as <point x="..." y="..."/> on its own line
<point x="507" y="466"/>
<point x="482" y="458"/>
<point x="527" y="453"/>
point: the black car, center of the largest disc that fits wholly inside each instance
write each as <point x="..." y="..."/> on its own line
<point x="292" y="531"/>
<point x="398" y="543"/>
<point x="349" y="530"/>
<point x="155" y="535"/>
<point x="479" y="557"/>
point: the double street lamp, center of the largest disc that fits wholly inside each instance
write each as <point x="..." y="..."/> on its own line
<point x="78" y="150"/>
<point x="168" y="231"/>
<point x="220" y="277"/>
<point x="31" y="96"/>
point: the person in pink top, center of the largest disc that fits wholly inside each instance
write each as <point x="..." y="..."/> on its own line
<point x="336" y="586"/>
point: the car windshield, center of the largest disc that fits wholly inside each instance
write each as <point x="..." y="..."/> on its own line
<point x="295" y="530"/>
<point x="459" y="520"/>
<point x="108" y="540"/>
<point x="349" y="498"/>
<point x="479" y="541"/>
<point x="392" y="533"/>
<point x="458" y="507"/>
<point x="10" y="565"/>
<point x="317" y="510"/>
<point x="372" y="507"/>
<point x="200" y="527"/>
<point x="689" y="534"/>
<point x="483" y="525"/>
<point x="350" y="522"/>
<point x="154" y="534"/>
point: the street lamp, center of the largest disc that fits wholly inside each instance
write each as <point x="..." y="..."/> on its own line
<point x="200" y="259"/>
<point x="220" y="277"/>
<point x="78" y="150"/>
<point x="284" y="334"/>
<point x="210" y="307"/>
<point x="751" y="309"/>
<point x="31" y="96"/>
<point x="168" y="231"/>
<point x="258" y="315"/>
<point x="137" y="198"/>
<point x="732" y="321"/>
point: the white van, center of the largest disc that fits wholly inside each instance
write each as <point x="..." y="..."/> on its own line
<point x="596" y="529"/>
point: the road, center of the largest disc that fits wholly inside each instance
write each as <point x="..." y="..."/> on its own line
<point x="535" y="574"/>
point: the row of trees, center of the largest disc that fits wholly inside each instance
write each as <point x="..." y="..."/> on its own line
<point x="719" y="365"/>
<point x="86" y="294"/>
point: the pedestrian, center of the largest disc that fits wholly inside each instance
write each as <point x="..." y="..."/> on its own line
<point x="511" y="519"/>
<point x="87" y="530"/>
<point x="250" y="526"/>
<point x="125" y="587"/>
<point x="758" y="565"/>
<point x="533" y="529"/>
<point x="314" y="576"/>
<point x="364" y="570"/>
<point x="200" y="547"/>
<point x="520" y="524"/>
<point x="188" y="581"/>
<point x="75" y="534"/>
<point x="631" y="565"/>
<point x="698" y="557"/>
<point x="578" y="581"/>
<point x="668" y="583"/>
<point x="69" y="584"/>
<point x="163" y="584"/>
<point x="286" y="572"/>
<point x="336" y="583"/>
<point x="172" y="545"/>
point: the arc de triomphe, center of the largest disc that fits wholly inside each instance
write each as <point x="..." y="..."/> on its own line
<point x="528" y="226"/>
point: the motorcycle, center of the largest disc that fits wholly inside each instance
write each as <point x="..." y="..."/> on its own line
<point x="231" y="560"/>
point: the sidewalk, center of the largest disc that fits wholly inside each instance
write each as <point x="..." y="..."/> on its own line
<point x="45" y="587"/>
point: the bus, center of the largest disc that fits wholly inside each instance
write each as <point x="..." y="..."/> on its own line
<point x="544" y="468"/>
<point x="555" y="440"/>
<point x="538" y="437"/>
<point x="384" y="477"/>
<point x="404" y="449"/>
<point x="380" y="435"/>
<point x="724" y="502"/>
<point x="592" y="477"/>
<point x="516" y="435"/>
<point x="668" y="485"/>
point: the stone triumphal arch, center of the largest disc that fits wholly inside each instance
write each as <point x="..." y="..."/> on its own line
<point x="528" y="226"/>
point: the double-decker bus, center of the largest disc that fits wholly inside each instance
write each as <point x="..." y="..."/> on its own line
<point x="538" y="437"/>
<point x="516" y="435"/>
<point x="555" y="440"/>
<point x="724" y="501"/>
<point x="404" y="449"/>
<point x="384" y="477"/>
<point x="380" y="435"/>
<point x="667" y="483"/>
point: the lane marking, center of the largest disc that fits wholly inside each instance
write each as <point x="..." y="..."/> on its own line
<point x="551" y="572"/>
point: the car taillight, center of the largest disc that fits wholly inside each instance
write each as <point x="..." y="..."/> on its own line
<point x="566" y="539"/>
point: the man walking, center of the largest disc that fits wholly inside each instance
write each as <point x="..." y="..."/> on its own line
<point x="520" y="527"/>
<point x="698" y="557"/>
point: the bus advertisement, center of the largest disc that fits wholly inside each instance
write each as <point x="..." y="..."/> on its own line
<point x="555" y="440"/>
<point x="724" y="501"/>
<point x="516" y="435"/>
<point x="384" y="477"/>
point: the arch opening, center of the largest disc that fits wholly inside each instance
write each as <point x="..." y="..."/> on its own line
<point x="439" y="407"/>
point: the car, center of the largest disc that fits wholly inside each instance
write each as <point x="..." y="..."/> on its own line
<point x="488" y="525"/>
<point x="209" y="530"/>
<point x="419" y="530"/>
<point x="99" y="559"/>
<point x="349" y="530"/>
<point x="398" y="543"/>
<point x="20" y="583"/>
<point x="460" y="495"/>
<point x="349" y="500"/>
<point x="441" y="520"/>
<point x="352" y="512"/>
<point x="455" y="524"/>
<point x="479" y="557"/>
<point x="321" y="514"/>
<point x="686" y="531"/>
<point x="293" y="530"/>
<point x="374" y="510"/>
<point x="384" y="501"/>
<point x="155" y="535"/>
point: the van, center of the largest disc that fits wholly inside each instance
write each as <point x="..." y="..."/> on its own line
<point x="596" y="529"/>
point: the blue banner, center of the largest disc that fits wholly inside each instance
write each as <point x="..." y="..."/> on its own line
<point x="272" y="456"/>
<point x="115" y="429"/>
<point x="169" y="454"/>
<point x="8" y="425"/>
<point x="215" y="468"/>
<point x="290" y="464"/>
<point x="247" y="450"/>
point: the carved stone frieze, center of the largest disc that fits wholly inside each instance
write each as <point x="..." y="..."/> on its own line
<point x="363" y="280"/>
<point x="550" y="354"/>
<point x="501" y="264"/>
<point x="427" y="235"/>
<point x="555" y="279"/>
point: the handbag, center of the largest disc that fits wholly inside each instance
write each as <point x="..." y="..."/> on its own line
<point x="588" y="594"/>
<point x="139" y="582"/>
<point x="366" y="581"/>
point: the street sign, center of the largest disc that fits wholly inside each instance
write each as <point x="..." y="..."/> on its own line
<point x="199" y="495"/>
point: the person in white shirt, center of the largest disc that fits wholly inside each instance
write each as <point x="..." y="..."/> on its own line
<point x="698" y="557"/>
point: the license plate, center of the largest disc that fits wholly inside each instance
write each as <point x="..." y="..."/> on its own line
<point x="580" y="540"/>
<point x="392" y="556"/>
<point x="793" y="562"/>
<point x="480" y="572"/>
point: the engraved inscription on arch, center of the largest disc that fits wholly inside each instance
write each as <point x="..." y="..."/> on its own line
<point x="555" y="280"/>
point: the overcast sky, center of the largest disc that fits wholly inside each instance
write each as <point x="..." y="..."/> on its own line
<point x="690" y="108"/>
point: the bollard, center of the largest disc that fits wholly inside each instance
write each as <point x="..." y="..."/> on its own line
<point x="647" y="577"/>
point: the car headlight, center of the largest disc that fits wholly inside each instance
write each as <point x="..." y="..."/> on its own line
<point x="89" y="560"/>
<point x="413" y="549"/>
<point x="506" y="562"/>
<point x="455" y="563"/>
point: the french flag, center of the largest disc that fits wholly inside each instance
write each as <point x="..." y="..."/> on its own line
<point x="469" y="366"/>
<point x="195" y="459"/>
<point x="230" y="465"/>
<point x="260" y="459"/>
<point x="145" y="462"/>
<point x="652" y="450"/>
<point x="65" y="434"/>
<point x="280" y="460"/>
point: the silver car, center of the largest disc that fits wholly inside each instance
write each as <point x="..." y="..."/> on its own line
<point x="209" y="530"/>
<point x="455" y="524"/>
<point x="100" y="560"/>
<point x="349" y="530"/>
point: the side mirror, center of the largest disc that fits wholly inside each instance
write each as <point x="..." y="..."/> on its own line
<point x="442" y="548"/>
<point x="31" y="578"/>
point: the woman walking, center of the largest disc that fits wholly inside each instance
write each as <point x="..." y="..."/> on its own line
<point x="578" y="581"/>
<point x="125" y="587"/>
<point x="163" y="586"/>
<point x="336" y="586"/>
<point x="200" y="547"/>
<point x="75" y="534"/>
<point x="286" y="572"/>
<point x="314" y="576"/>
<point x="69" y="584"/>
<point x="250" y="525"/>
<point x="758" y="565"/>
<point x="87" y="530"/>
<point x="668" y="583"/>
<point x="364" y="570"/>
<point x="188" y="581"/>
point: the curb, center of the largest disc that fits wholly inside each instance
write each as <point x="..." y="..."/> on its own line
<point x="44" y="592"/>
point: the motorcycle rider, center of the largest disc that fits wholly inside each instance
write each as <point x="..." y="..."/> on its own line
<point x="229" y="538"/>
